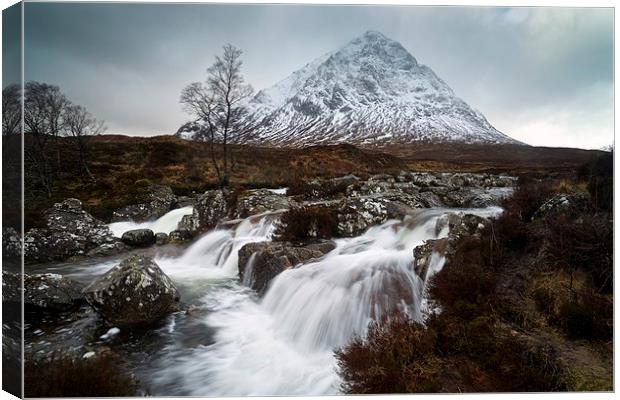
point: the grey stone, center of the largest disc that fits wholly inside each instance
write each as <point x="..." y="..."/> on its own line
<point x="134" y="292"/>
<point x="260" y="262"/>
<point x="139" y="238"/>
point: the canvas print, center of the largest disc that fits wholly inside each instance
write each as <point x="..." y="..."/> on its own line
<point x="216" y="199"/>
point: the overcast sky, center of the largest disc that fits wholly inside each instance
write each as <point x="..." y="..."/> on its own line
<point x="541" y="75"/>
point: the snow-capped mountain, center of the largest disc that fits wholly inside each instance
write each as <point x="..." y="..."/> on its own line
<point x="370" y="92"/>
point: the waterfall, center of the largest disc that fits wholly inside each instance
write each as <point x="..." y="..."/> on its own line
<point x="215" y="254"/>
<point x="283" y="343"/>
<point x="166" y="223"/>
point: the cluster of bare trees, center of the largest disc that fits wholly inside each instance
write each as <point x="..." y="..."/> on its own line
<point x="218" y="106"/>
<point x="48" y="118"/>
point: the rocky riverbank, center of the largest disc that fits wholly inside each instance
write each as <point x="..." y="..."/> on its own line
<point x="71" y="232"/>
<point x="248" y="238"/>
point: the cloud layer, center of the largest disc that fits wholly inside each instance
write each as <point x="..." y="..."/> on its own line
<point x="541" y="75"/>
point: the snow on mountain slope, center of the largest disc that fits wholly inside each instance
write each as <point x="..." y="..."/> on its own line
<point x="370" y="92"/>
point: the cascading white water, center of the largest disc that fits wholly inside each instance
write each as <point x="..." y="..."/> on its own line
<point x="283" y="344"/>
<point x="166" y="223"/>
<point x="215" y="255"/>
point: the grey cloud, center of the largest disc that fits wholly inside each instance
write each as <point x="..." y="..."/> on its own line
<point x="526" y="69"/>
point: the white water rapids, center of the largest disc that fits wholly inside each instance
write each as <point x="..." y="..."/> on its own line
<point x="166" y="223"/>
<point x="283" y="343"/>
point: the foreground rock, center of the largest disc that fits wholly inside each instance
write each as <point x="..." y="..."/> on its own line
<point x="429" y="256"/>
<point x="356" y="215"/>
<point x="209" y="209"/>
<point x="139" y="238"/>
<point x="566" y="204"/>
<point x="158" y="201"/>
<point x="134" y="292"/>
<point x="70" y="231"/>
<point x="260" y="262"/>
<point x="50" y="292"/>
<point x="252" y="202"/>
<point x="11" y="244"/>
<point x="161" y="238"/>
<point x="179" y="236"/>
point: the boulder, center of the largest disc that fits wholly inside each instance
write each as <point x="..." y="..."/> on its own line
<point x="481" y="200"/>
<point x="430" y="256"/>
<point x="11" y="244"/>
<point x="357" y="214"/>
<point x="161" y="238"/>
<point x="139" y="238"/>
<point x="260" y="262"/>
<point x="428" y="199"/>
<point x="11" y="287"/>
<point x="568" y="204"/>
<point x="108" y="249"/>
<point x="321" y="189"/>
<point x="50" y="292"/>
<point x="210" y="208"/>
<point x="459" y="180"/>
<point x="179" y="236"/>
<point x="382" y="178"/>
<point x="184" y="201"/>
<point x="252" y="202"/>
<point x="425" y="179"/>
<point x="70" y="231"/>
<point x="158" y="200"/>
<point x="134" y="292"/>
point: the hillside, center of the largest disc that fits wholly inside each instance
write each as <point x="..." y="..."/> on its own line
<point x="122" y="163"/>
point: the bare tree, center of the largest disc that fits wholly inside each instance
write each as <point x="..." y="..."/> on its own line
<point x="44" y="107"/>
<point x="218" y="106"/>
<point x="81" y="126"/>
<point x="11" y="110"/>
<point x="48" y="117"/>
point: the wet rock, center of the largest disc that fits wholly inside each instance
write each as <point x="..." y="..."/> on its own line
<point x="458" y="180"/>
<point x="184" y="201"/>
<point x="139" y="238"/>
<point x="134" y="292"/>
<point x="70" y="231"/>
<point x="161" y="238"/>
<point x="108" y="249"/>
<point x="382" y="178"/>
<point x="568" y="204"/>
<point x="210" y="208"/>
<point x="158" y="201"/>
<point x="481" y="200"/>
<point x="321" y="189"/>
<point x="51" y="292"/>
<point x="428" y="199"/>
<point x="398" y="210"/>
<point x="430" y="256"/>
<point x="425" y="179"/>
<point x="11" y="287"/>
<point x="252" y="202"/>
<point x="260" y="262"/>
<point x="179" y="236"/>
<point x="11" y="243"/>
<point x="463" y="197"/>
<point x="356" y="215"/>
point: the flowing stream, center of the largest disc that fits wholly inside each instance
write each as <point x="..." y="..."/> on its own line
<point x="166" y="223"/>
<point x="231" y="342"/>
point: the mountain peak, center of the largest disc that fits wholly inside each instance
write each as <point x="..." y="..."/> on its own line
<point x="372" y="91"/>
<point x="373" y="35"/>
